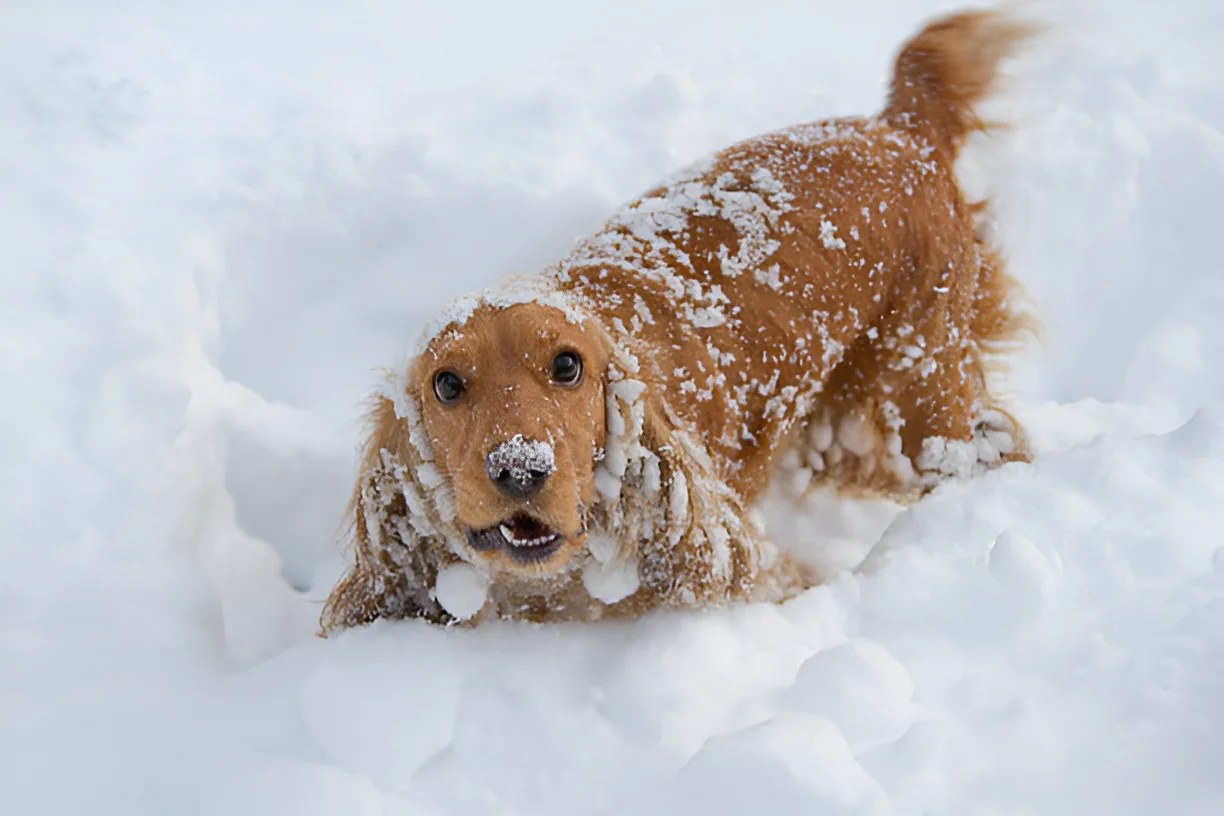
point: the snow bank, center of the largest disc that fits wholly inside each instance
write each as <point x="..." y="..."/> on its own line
<point x="220" y="221"/>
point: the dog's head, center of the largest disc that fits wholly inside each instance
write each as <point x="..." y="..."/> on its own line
<point x="513" y="429"/>
<point x="512" y="400"/>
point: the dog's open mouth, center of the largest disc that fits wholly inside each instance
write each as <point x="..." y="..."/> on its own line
<point x="522" y="537"/>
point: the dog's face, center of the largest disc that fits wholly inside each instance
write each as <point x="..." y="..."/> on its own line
<point x="513" y="403"/>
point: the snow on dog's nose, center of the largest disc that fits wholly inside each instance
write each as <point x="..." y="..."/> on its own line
<point x="520" y="467"/>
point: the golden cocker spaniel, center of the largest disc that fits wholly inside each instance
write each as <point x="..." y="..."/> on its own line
<point x="813" y="305"/>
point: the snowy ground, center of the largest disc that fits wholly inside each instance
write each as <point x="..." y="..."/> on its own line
<point x="218" y="219"/>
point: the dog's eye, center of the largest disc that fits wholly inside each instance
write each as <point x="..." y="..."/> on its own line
<point x="448" y="387"/>
<point x="567" y="368"/>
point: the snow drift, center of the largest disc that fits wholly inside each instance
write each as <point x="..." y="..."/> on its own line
<point x="220" y="220"/>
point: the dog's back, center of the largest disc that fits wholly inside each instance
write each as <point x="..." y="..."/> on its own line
<point x="826" y="275"/>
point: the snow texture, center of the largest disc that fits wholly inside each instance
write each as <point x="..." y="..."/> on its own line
<point x="219" y="220"/>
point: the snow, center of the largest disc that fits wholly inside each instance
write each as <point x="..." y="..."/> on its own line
<point x="522" y="457"/>
<point x="611" y="575"/>
<point x="828" y="236"/>
<point x="462" y="590"/>
<point x="221" y="221"/>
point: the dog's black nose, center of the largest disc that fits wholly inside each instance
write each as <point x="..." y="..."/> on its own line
<point x="520" y="467"/>
<point x="518" y="483"/>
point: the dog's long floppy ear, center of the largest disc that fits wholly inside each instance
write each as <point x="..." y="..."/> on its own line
<point x="399" y="519"/>
<point x="661" y="495"/>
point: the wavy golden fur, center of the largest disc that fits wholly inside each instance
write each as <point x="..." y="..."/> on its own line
<point x="813" y="305"/>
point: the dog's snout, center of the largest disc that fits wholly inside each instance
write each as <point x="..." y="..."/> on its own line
<point x="519" y="467"/>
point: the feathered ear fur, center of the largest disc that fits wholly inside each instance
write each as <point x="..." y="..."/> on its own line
<point x="662" y="502"/>
<point x="400" y="518"/>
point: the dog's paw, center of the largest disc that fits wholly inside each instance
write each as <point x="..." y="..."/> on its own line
<point x="995" y="440"/>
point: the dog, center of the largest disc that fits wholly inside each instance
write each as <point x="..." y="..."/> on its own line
<point x="816" y="305"/>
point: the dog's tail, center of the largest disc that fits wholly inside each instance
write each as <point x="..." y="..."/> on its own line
<point x="947" y="69"/>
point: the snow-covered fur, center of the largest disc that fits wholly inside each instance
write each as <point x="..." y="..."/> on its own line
<point x="815" y="304"/>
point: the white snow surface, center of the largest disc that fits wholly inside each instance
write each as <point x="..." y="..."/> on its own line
<point x="220" y="219"/>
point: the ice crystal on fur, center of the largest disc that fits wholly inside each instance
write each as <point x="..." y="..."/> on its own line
<point x="611" y="574"/>
<point x="461" y="590"/>
<point x="643" y="236"/>
<point x="521" y="457"/>
<point x="828" y="236"/>
<point x="428" y="477"/>
<point x="992" y="440"/>
<point x="625" y="416"/>
<point x="512" y="290"/>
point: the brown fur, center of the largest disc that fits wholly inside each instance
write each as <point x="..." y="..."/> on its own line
<point x="814" y="301"/>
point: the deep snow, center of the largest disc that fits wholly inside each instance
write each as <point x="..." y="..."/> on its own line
<point x="220" y="219"/>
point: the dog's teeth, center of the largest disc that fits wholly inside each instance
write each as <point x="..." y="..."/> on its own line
<point x="534" y="542"/>
<point x="508" y="535"/>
